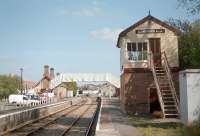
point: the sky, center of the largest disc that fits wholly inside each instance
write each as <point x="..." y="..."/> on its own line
<point x="72" y="36"/>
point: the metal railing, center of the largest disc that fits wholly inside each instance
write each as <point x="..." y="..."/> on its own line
<point x="168" y="72"/>
<point x="156" y="83"/>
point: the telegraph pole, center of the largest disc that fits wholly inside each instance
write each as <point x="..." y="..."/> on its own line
<point x="21" y="88"/>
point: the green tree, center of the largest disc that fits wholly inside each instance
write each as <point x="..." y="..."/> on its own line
<point x="189" y="43"/>
<point x="192" y="6"/>
<point x="74" y="87"/>
<point x="8" y="85"/>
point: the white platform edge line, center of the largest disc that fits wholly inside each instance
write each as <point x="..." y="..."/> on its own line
<point x="99" y="118"/>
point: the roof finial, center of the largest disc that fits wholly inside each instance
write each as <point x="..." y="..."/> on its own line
<point x="149" y="13"/>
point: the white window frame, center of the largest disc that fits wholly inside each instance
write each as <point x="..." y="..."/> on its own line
<point x="137" y="43"/>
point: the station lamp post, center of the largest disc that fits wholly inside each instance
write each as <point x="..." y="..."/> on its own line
<point x="21" y="73"/>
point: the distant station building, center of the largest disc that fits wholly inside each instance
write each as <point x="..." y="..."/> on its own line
<point x="149" y="67"/>
<point x="108" y="90"/>
<point x="44" y="84"/>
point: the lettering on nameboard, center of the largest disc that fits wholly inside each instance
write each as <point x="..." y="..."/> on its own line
<point x="145" y="31"/>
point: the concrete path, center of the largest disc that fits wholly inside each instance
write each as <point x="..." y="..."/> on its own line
<point x="113" y="122"/>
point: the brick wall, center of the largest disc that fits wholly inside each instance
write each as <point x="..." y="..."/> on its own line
<point x="134" y="93"/>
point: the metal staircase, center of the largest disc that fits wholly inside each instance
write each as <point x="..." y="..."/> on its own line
<point x="167" y="96"/>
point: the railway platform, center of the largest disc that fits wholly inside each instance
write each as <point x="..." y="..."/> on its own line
<point x="112" y="122"/>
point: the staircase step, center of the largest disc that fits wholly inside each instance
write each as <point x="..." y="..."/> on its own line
<point x="159" y="67"/>
<point x="169" y="103"/>
<point x="174" y="110"/>
<point x="163" y="81"/>
<point x="172" y="106"/>
<point x="167" y="95"/>
<point x="164" y="84"/>
<point x="166" y="90"/>
<point x="161" y="74"/>
<point x="164" y="87"/>
<point x="168" y="99"/>
<point x="171" y="116"/>
<point x="171" y="112"/>
<point x="162" y="70"/>
<point x="171" y="109"/>
<point x="162" y="78"/>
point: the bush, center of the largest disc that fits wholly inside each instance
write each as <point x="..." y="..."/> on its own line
<point x="193" y="130"/>
<point x="158" y="114"/>
<point x="8" y="85"/>
<point x="189" y="43"/>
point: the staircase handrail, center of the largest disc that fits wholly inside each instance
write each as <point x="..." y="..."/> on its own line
<point x="156" y="83"/>
<point x="168" y="71"/>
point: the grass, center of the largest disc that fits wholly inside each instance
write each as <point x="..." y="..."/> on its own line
<point x="146" y="126"/>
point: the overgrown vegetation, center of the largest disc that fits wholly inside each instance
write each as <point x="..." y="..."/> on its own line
<point x="148" y="127"/>
<point x="189" y="40"/>
<point x="189" y="43"/>
<point x="192" y="6"/>
<point x="189" y="49"/>
<point x="192" y="130"/>
<point x="8" y="85"/>
<point x="73" y="86"/>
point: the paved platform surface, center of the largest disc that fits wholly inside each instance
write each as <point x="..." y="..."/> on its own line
<point x="113" y="122"/>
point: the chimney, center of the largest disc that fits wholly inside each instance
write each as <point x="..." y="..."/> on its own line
<point x="57" y="74"/>
<point x="46" y="71"/>
<point x="52" y="73"/>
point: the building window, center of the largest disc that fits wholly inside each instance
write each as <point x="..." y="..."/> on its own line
<point x="137" y="51"/>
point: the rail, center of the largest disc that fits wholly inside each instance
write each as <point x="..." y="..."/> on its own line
<point x="74" y="122"/>
<point x="168" y="72"/>
<point x="94" y="118"/>
<point x="40" y="126"/>
<point x="47" y="122"/>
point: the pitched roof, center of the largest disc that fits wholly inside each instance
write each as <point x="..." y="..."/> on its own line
<point x="28" y="84"/>
<point x="147" y="18"/>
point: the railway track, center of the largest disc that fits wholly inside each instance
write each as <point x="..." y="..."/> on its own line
<point x="73" y="121"/>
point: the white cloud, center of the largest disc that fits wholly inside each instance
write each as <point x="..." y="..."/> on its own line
<point x="106" y="34"/>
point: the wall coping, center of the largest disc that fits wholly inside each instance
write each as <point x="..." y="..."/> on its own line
<point x="33" y="108"/>
<point x="190" y="71"/>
